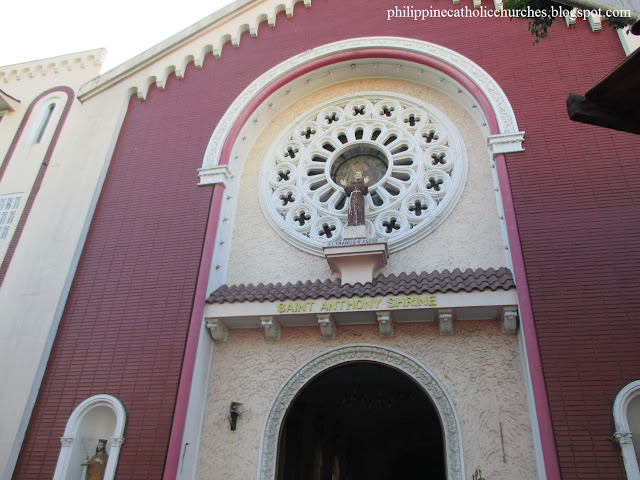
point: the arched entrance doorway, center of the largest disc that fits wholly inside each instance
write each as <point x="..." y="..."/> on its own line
<point x="361" y="421"/>
<point x="362" y="353"/>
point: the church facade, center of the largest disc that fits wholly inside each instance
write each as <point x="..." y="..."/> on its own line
<point x="324" y="240"/>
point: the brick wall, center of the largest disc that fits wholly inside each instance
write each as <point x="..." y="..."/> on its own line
<point x="577" y="200"/>
<point x="575" y="192"/>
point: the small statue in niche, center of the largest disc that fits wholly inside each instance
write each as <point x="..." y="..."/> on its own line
<point x="356" y="191"/>
<point x="98" y="463"/>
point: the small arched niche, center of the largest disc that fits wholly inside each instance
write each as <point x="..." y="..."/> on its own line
<point x="626" y="414"/>
<point x="101" y="417"/>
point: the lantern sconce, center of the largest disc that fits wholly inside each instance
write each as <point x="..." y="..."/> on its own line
<point x="235" y="411"/>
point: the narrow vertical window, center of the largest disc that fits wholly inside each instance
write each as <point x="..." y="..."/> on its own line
<point x="8" y="207"/>
<point x="44" y="123"/>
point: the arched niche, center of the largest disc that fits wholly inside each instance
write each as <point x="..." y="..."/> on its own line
<point x="410" y="367"/>
<point x="626" y="414"/>
<point x="98" y="417"/>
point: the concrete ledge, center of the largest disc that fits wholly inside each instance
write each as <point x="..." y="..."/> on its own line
<point x="356" y="261"/>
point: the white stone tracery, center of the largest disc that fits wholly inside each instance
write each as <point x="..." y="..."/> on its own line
<point x="354" y="353"/>
<point x="426" y="169"/>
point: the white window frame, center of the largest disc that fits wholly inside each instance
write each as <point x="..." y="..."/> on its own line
<point x="623" y="432"/>
<point x="7" y="221"/>
<point x="44" y="121"/>
<point x="71" y="431"/>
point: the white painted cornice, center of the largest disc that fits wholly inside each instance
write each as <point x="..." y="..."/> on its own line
<point x="52" y="65"/>
<point x="506" y="143"/>
<point x="191" y="45"/>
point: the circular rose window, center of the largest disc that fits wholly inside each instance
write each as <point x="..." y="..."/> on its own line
<point x="409" y="154"/>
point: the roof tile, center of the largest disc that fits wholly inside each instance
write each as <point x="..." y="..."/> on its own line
<point x="402" y="284"/>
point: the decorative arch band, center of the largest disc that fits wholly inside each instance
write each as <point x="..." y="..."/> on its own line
<point x="490" y="98"/>
<point x="357" y="353"/>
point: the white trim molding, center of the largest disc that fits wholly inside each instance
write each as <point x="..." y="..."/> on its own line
<point x="506" y="143"/>
<point x="623" y="433"/>
<point x="52" y="65"/>
<point x="115" y="439"/>
<point x="216" y="175"/>
<point x="357" y="353"/>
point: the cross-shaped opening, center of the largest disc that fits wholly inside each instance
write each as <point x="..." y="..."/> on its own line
<point x="307" y="133"/>
<point x="327" y="230"/>
<point x="417" y="208"/>
<point x="358" y="110"/>
<point x="438" y="158"/>
<point x="391" y="225"/>
<point x="331" y="118"/>
<point x="286" y="199"/>
<point x="302" y="217"/>
<point x="283" y="175"/>
<point x="388" y="111"/>
<point x="411" y="120"/>
<point x="434" y="184"/>
<point x="291" y="152"/>
<point x="430" y="136"/>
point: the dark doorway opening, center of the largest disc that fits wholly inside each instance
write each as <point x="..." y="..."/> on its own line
<point x="361" y="421"/>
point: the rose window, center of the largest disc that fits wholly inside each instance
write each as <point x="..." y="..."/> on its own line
<point x="411" y="155"/>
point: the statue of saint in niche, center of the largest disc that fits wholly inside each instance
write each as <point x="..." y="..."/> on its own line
<point x="98" y="463"/>
<point x="370" y="166"/>
<point x="356" y="190"/>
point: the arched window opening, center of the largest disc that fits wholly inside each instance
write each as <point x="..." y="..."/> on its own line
<point x="92" y="440"/>
<point x="626" y="413"/>
<point x="44" y="121"/>
<point x="361" y="420"/>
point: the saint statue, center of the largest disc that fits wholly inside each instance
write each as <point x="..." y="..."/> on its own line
<point x="356" y="190"/>
<point x="98" y="463"/>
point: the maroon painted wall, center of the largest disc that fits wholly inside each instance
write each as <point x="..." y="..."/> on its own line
<point x="124" y="327"/>
<point x="577" y="197"/>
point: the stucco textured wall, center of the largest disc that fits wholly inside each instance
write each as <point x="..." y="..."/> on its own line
<point x="471" y="233"/>
<point x="479" y="367"/>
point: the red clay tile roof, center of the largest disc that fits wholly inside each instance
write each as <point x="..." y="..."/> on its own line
<point x="403" y="284"/>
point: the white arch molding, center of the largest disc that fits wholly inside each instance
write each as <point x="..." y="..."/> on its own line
<point x="623" y="433"/>
<point x="71" y="443"/>
<point x="508" y="139"/>
<point x="356" y="353"/>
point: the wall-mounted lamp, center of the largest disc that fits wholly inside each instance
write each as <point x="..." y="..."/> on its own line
<point x="235" y="410"/>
